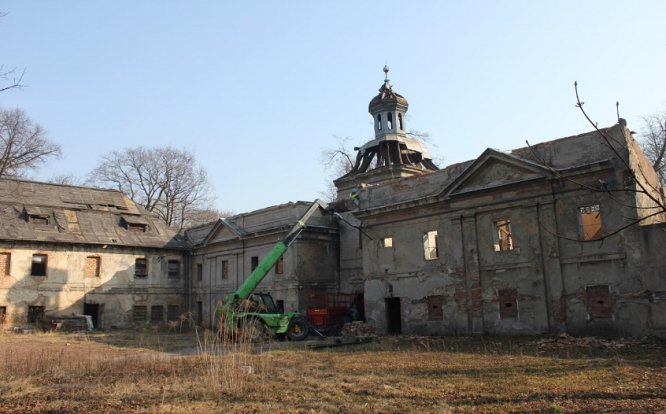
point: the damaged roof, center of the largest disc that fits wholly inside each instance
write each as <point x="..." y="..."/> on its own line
<point x="44" y="212"/>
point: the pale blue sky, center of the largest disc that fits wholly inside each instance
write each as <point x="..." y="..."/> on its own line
<point x="256" y="89"/>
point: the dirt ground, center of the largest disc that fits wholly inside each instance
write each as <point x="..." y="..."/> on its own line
<point x="150" y="372"/>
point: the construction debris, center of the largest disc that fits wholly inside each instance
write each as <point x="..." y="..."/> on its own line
<point x="359" y="329"/>
<point x="564" y="340"/>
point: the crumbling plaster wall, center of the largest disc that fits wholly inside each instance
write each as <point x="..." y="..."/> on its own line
<point x="65" y="288"/>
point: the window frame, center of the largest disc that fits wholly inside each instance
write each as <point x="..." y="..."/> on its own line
<point x="499" y="227"/>
<point x="45" y="265"/>
<point x="279" y="266"/>
<point x="141" y="271"/>
<point x="98" y="266"/>
<point x="171" y="274"/>
<point x="431" y="253"/>
<point x="583" y="224"/>
<point x="7" y="271"/>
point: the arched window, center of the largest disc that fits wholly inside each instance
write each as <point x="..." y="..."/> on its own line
<point x="400" y="121"/>
<point x="379" y="122"/>
<point x="389" y="117"/>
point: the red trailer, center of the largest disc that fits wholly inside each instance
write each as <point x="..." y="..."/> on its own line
<point x="328" y="311"/>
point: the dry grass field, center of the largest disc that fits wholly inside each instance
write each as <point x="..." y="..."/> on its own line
<point x="142" y="372"/>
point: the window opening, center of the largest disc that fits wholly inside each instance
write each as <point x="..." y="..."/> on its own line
<point x="136" y="227"/>
<point x="254" y="262"/>
<point x="279" y="266"/>
<point x="139" y="313"/>
<point x="157" y="313"/>
<point x="3" y="314"/>
<point x="225" y="269"/>
<point x="379" y="122"/>
<point x="173" y="267"/>
<point x="508" y="303"/>
<point x="435" y="311"/>
<point x="199" y="272"/>
<point x="389" y="120"/>
<point x="93" y="266"/>
<point x="430" y="247"/>
<point x="173" y="312"/>
<point x="400" y="121"/>
<point x="503" y="240"/>
<point x="387" y="242"/>
<point x="41" y="219"/>
<point x="5" y="263"/>
<point x="590" y="222"/>
<point x="599" y="303"/>
<point x="39" y="265"/>
<point x="141" y="267"/>
<point x="35" y="314"/>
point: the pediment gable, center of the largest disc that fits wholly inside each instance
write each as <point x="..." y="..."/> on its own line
<point x="223" y="231"/>
<point x="494" y="169"/>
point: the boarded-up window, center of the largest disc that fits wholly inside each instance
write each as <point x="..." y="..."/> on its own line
<point x="93" y="266"/>
<point x="199" y="272"/>
<point x="39" y="265"/>
<point x="503" y="240"/>
<point x="5" y="263"/>
<point x="254" y="262"/>
<point x="435" y="311"/>
<point x="387" y="242"/>
<point x="141" y="267"/>
<point x="157" y="313"/>
<point x="139" y="313"/>
<point x="173" y="312"/>
<point x="3" y="314"/>
<point x="279" y="266"/>
<point x="225" y="269"/>
<point x="590" y="222"/>
<point x="430" y="247"/>
<point x="508" y="303"/>
<point x="599" y="303"/>
<point x="173" y="269"/>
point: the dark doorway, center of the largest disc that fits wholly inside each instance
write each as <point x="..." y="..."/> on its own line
<point x="393" y="316"/>
<point x="92" y="309"/>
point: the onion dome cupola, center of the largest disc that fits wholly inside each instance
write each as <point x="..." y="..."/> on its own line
<point x="388" y="109"/>
<point x="393" y="147"/>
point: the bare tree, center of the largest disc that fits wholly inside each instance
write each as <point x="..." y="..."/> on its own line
<point x="10" y="78"/>
<point x="23" y="144"/>
<point x="654" y="143"/>
<point x="66" y="179"/>
<point x="638" y="183"/>
<point x="337" y="161"/>
<point x="166" y="181"/>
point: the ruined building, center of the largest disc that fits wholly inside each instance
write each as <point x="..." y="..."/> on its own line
<point x="75" y="250"/>
<point x="227" y="251"/>
<point x="565" y="235"/>
<point x="560" y="236"/>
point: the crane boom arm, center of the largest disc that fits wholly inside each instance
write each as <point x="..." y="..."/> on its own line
<point x="246" y="288"/>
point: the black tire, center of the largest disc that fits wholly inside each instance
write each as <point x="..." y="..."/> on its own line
<point x="251" y="330"/>
<point x="298" y="329"/>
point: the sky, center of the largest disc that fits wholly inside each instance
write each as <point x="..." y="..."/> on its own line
<point x="258" y="89"/>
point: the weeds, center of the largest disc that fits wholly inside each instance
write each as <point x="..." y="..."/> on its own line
<point x="105" y="373"/>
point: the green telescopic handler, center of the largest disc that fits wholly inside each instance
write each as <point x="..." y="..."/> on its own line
<point x="254" y="315"/>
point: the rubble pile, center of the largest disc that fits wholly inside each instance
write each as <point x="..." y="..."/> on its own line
<point x="564" y="340"/>
<point x="358" y="329"/>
